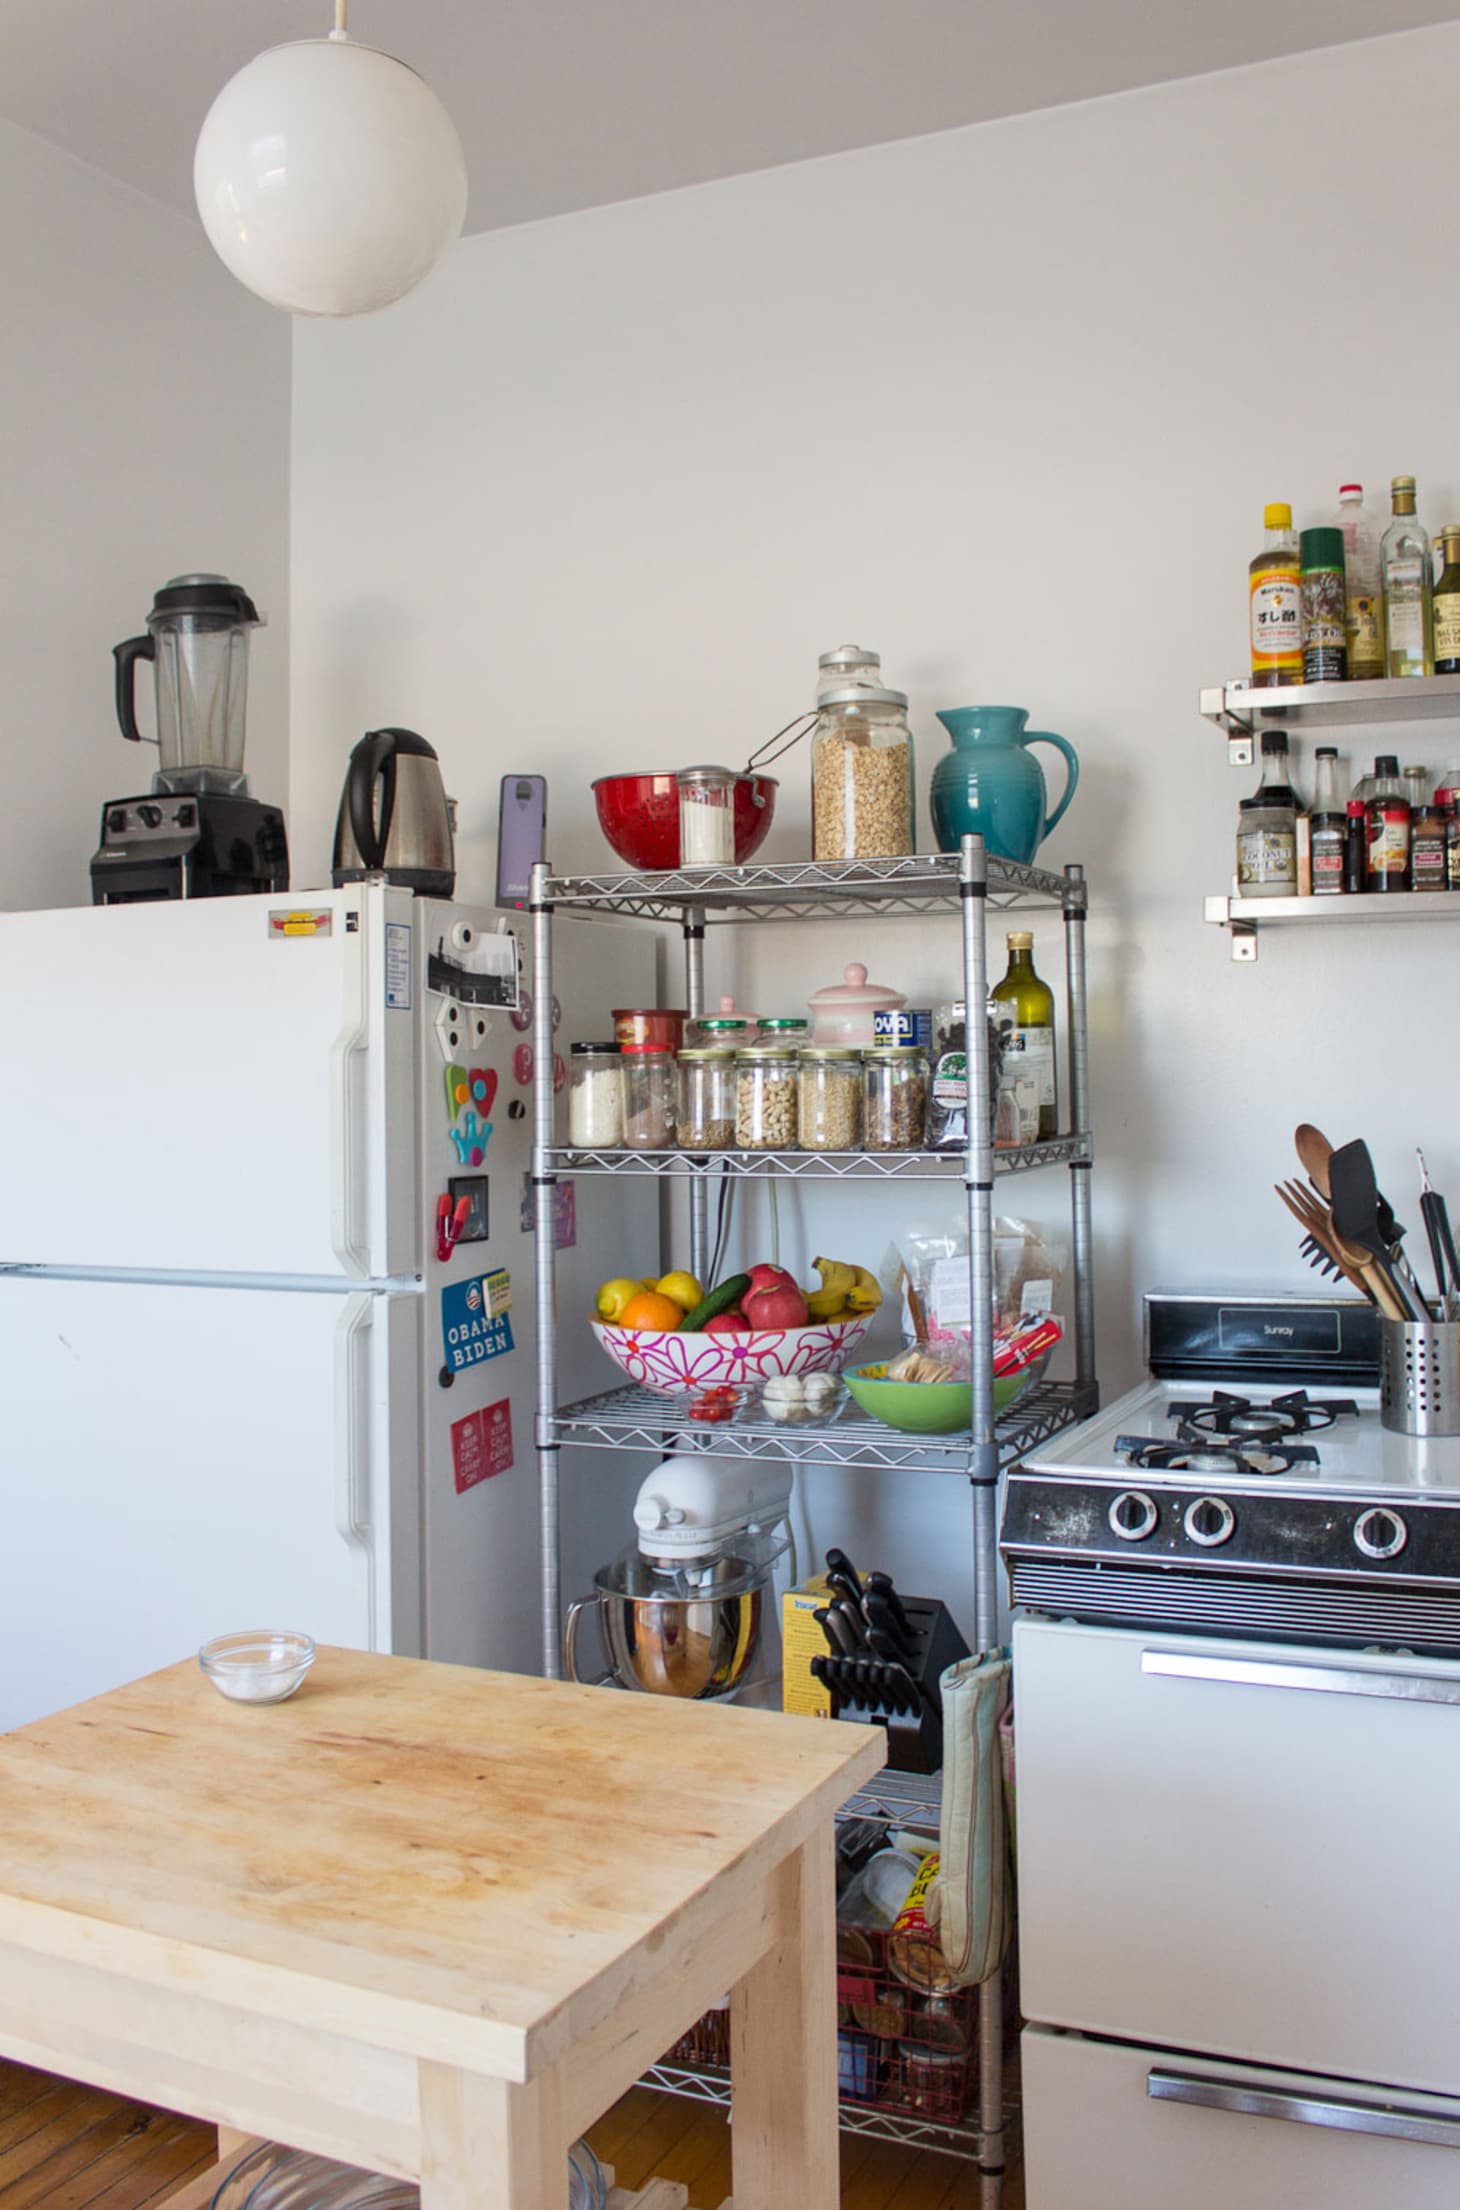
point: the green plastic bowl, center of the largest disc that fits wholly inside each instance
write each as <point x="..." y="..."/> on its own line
<point x="925" y="1407"/>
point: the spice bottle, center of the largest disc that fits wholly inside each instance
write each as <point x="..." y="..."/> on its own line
<point x="1428" y="837"/>
<point x="1324" y="613"/>
<point x="1363" y="590"/>
<point x="1275" y="602"/>
<point x="1023" y="1007"/>
<point x="1388" y="812"/>
<point x="1328" y="825"/>
<point x="1356" y="848"/>
<point x="1267" y="828"/>
<point x="1447" y="605"/>
<point x="1404" y="559"/>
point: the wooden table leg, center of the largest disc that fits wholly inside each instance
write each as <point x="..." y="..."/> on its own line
<point x="486" y="2145"/>
<point x="783" y="2062"/>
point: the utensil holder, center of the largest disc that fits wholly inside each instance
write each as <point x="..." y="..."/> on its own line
<point x="1419" y="1377"/>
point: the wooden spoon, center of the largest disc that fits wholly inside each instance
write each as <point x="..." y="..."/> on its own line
<point x="1314" y="1152"/>
<point x="1361" y="1266"/>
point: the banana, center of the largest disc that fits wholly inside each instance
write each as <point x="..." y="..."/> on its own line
<point x="865" y="1294"/>
<point x="835" y="1274"/>
<point x="827" y="1303"/>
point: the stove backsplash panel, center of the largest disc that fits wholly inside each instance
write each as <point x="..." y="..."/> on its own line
<point x="1309" y="1340"/>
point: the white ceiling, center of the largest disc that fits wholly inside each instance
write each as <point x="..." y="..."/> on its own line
<point x="566" y="104"/>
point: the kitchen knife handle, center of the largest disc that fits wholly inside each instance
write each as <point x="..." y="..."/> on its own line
<point x="880" y="1584"/>
<point x="837" y="1561"/>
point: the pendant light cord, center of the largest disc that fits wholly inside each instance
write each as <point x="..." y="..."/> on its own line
<point x="342" y="19"/>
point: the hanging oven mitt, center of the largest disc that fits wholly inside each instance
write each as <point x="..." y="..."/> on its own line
<point x="970" y="1907"/>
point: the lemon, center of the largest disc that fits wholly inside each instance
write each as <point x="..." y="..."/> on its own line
<point x="683" y="1288"/>
<point x="613" y="1296"/>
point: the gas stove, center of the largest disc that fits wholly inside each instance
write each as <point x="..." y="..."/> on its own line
<point x="1240" y="1491"/>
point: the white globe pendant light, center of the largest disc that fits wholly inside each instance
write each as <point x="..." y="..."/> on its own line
<point x="329" y="177"/>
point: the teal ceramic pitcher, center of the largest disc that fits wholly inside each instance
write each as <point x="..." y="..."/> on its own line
<point x="990" y="786"/>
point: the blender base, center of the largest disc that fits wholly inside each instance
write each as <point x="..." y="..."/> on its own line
<point x="188" y="844"/>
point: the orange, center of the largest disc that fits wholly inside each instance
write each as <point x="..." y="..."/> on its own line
<point x="650" y="1310"/>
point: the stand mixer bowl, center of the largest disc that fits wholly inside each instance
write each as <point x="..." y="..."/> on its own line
<point x="691" y="1630"/>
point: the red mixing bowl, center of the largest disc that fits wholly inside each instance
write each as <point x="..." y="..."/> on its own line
<point x="639" y="814"/>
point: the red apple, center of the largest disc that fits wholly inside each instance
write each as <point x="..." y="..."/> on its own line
<point x="770" y="1277"/>
<point x="781" y="1306"/>
<point x="727" y="1323"/>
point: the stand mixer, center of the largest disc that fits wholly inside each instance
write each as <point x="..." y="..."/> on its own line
<point x="198" y="833"/>
<point x="682" y="1611"/>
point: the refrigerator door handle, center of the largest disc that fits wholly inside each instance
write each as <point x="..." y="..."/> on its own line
<point x="1342" y="2113"/>
<point x="347" y="1147"/>
<point x="352" y="1433"/>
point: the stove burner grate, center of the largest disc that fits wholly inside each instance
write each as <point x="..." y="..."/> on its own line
<point x="1275" y="1422"/>
<point x="1204" y="1454"/>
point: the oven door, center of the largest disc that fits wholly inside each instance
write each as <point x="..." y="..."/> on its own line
<point x="1242" y="1847"/>
<point x="1110" y="2127"/>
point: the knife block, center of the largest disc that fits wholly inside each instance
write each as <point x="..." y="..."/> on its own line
<point x="914" y="1739"/>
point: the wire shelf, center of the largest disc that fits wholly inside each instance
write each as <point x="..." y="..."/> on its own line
<point x="631" y="1418"/>
<point x="802" y="890"/>
<point x="874" y="1166"/>
<point x="710" y="2084"/>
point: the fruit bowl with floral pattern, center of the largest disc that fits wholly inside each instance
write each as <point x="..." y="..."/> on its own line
<point x="670" y="1360"/>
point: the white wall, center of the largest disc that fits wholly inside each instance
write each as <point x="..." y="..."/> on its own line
<point x="1005" y="403"/>
<point x="144" y="407"/>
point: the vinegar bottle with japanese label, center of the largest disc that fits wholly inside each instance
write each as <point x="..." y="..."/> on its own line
<point x="1028" y="1073"/>
<point x="1275" y="602"/>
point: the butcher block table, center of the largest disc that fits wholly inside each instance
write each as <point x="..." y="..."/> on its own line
<point x="427" y="1919"/>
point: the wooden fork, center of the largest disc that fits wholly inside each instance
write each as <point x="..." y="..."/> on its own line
<point x="1358" y="1265"/>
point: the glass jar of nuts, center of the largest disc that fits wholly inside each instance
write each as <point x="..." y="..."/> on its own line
<point x="862" y="776"/>
<point x="829" y="1099"/>
<point x="706" y="1100"/>
<point x="765" y="1098"/>
<point x="895" y="1097"/>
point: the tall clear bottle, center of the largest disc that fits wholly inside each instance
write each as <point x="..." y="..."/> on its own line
<point x="1404" y="560"/>
<point x="1364" y="589"/>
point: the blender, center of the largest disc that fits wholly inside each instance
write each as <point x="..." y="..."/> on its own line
<point x="689" y="1608"/>
<point x="198" y="833"/>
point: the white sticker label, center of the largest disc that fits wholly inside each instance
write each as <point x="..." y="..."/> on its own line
<point x="398" y="966"/>
<point x="950" y="1293"/>
<point x="1036" y="1299"/>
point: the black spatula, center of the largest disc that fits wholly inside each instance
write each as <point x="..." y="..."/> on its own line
<point x="1355" y="1198"/>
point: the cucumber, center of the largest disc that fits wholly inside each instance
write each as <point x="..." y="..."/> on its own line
<point x="719" y="1300"/>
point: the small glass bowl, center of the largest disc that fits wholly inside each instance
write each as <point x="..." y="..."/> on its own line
<point x="807" y="1400"/>
<point x="262" y="1665"/>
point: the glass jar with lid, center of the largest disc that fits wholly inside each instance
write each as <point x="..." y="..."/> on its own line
<point x="894" y="1097"/>
<point x="849" y="668"/>
<point x="706" y="816"/>
<point x="845" y="1012"/>
<point x="727" y="1024"/>
<point x="829" y="1098"/>
<point x="765" y="1098"/>
<point x="790" y="1029"/>
<point x="862" y="776"/>
<point x="648" y="1093"/>
<point x="706" y="1120"/>
<point x="595" y="1097"/>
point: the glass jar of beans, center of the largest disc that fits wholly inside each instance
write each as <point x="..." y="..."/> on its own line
<point x="765" y="1098"/>
<point x="829" y="1099"/>
<point x="895" y="1097"/>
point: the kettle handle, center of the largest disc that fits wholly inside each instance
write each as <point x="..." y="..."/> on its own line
<point x="374" y="756"/>
<point x="126" y="656"/>
<point x="1072" y="763"/>
<point x="570" y="1644"/>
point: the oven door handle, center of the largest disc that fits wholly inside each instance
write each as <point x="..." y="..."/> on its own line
<point x="1323" y="1680"/>
<point x="1341" y="2113"/>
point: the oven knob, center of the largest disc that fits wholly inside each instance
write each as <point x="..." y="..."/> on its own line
<point x="1209" y="1521"/>
<point x="1380" y="1534"/>
<point x="1133" y="1515"/>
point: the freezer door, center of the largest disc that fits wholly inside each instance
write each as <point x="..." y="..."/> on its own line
<point x="214" y="1087"/>
<point x="1110" y="2127"/>
<point x="177" y="1463"/>
<point x="1241" y="1846"/>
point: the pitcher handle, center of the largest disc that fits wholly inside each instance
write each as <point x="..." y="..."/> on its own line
<point x="570" y="1643"/>
<point x="1072" y="763"/>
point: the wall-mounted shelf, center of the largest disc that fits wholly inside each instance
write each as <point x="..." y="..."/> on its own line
<point x="1244" y="712"/>
<point x="1244" y="916"/>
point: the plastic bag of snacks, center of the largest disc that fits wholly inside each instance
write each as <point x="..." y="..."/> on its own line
<point x="947" y="1125"/>
<point x="928" y="1271"/>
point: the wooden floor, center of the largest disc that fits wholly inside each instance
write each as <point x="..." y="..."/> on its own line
<point x="64" y="2147"/>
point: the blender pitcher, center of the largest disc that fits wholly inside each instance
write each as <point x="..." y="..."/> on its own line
<point x="197" y="640"/>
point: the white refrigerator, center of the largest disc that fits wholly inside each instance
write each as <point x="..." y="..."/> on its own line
<point x="238" y="1385"/>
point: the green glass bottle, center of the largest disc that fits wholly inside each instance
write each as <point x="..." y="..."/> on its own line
<point x="1447" y="606"/>
<point x="1023" y="1008"/>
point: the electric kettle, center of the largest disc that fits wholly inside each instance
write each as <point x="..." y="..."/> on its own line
<point x="395" y="816"/>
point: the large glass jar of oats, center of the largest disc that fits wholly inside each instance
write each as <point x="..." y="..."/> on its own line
<point x="706" y="1100"/>
<point x="862" y="777"/>
<point x="765" y="1098"/>
<point x="829" y="1100"/>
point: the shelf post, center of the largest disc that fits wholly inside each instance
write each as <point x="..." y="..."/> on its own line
<point x="1082" y="1239"/>
<point x="692" y="922"/>
<point x="978" y="1190"/>
<point x="545" y="1252"/>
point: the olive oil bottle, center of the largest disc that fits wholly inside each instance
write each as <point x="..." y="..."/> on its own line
<point x="1404" y="558"/>
<point x="1023" y="1009"/>
<point x="1447" y="605"/>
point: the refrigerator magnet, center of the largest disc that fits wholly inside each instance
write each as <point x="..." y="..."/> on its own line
<point x="471" y="1332"/>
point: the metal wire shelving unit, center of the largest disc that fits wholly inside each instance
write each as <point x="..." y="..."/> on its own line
<point x="962" y="886"/>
